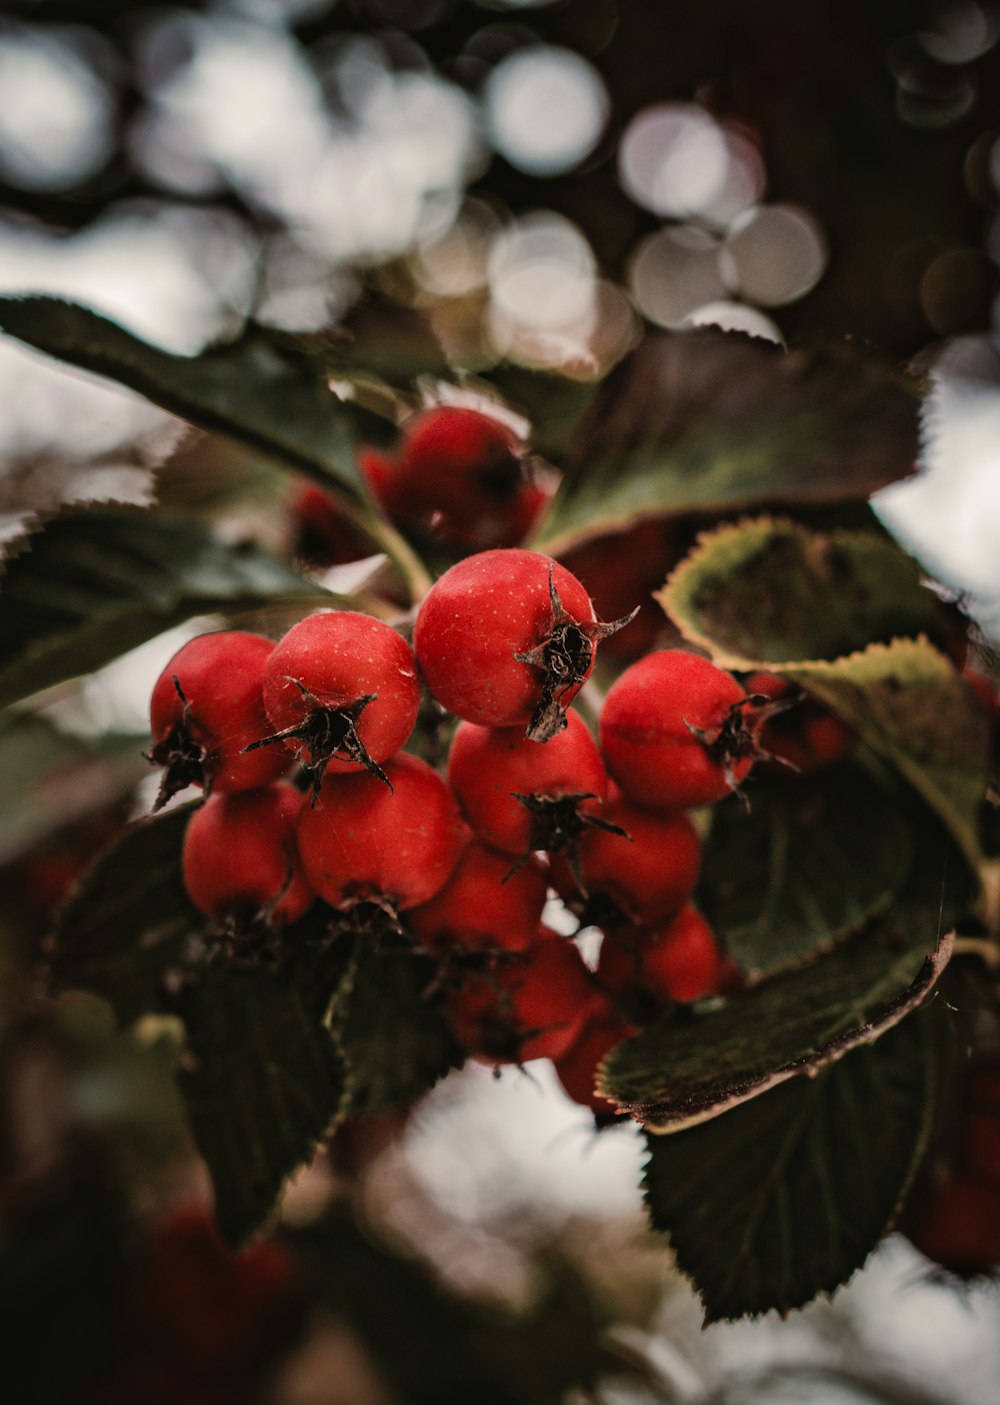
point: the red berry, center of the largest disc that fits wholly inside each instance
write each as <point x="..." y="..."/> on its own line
<point x="577" y="1069"/>
<point x="980" y="1138"/>
<point x="208" y="1303"/>
<point x="960" y="1225"/>
<point x="985" y="690"/>
<point x="506" y="639"/>
<point x="646" y="875"/>
<point x="240" y="860"/>
<point x="678" y="962"/>
<point x="341" y="687"/>
<point x="483" y="905"/>
<point x="806" y="738"/>
<point x="673" y="731"/>
<point x="324" y="534"/>
<point x="364" y="842"/>
<point x="459" y="475"/>
<point x="206" y="708"/>
<point x="563" y="785"/>
<point x="532" y="1006"/>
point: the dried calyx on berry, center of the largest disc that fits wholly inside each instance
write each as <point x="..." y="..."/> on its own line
<point x="506" y="639"/>
<point x="206" y="707"/>
<point x="564" y="657"/>
<point x="519" y="798"/>
<point x="340" y="687"/>
<point x="678" y="732"/>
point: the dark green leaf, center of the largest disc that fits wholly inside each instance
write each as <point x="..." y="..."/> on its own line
<point x="914" y="709"/>
<point x="811" y="861"/>
<point x="786" y="1196"/>
<point x="708" y="421"/>
<point x="266" y="394"/>
<point x="95" y="583"/>
<point x="389" y="1031"/>
<point x="775" y="591"/>
<point x="49" y="778"/>
<point x="262" y="1080"/>
<point x="126" y="923"/>
<point x="686" y="1069"/>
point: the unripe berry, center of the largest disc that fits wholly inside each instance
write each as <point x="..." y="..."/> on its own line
<point x="674" y="732"/>
<point x="506" y="639"/>
<point x="365" y="842"/>
<point x="341" y="688"/>
<point x="561" y="784"/>
<point x="206" y="708"/>
<point x="240" y="860"/>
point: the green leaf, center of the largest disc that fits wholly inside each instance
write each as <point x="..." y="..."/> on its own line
<point x="95" y="583"/>
<point x="707" y="421"/>
<point x="810" y="862"/>
<point x="126" y="924"/>
<point x="784" y="1197"/>
<point x="688" y="1067"/>
<point x="265" y="393"/>
<point x="50" y="779"/>
<point x="914" y="709"/>
<point x="388" y="1029"/>
<point x="773" y="595"/>
<point x="771" y="590"/>
<point x="262" y="1081"/>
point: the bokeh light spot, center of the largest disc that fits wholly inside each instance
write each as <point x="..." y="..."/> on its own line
<point x="673" y="271"/>
<point x="774" y="255"/>
<point x="56" y="116"/>
<point x="673" y="159"/>
<point x="546" y="108"/>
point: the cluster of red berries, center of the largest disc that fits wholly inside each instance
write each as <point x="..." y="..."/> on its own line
<point x="458" y="475"/>
<point x="532" y="803"/>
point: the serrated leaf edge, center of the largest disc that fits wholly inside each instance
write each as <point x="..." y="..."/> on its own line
<point x="866" y="1033"/>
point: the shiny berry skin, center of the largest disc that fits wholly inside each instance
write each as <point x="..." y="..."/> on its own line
<point x="240" y="860"/>
<point x="489" y="766"/>
<point x="342" y="688"/>
<point x="364" y="842"/>
<point x="482" y="618"/>
<point x="680" y="961"/>
<point x="577" y="1068"/>
<point x="206" y="707"/>
<point x="647" y="876"/>
<point x="647" y="737"/>
<point x="532" y="1006"/>
<point x="483" y="905"/>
